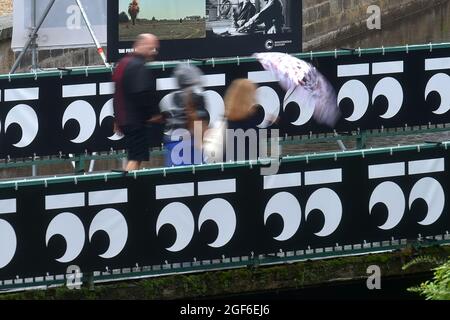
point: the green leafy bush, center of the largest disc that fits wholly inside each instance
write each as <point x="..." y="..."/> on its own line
<point x="439" y="287"/>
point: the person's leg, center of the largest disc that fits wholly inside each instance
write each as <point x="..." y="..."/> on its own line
<point x="138" y="150"/>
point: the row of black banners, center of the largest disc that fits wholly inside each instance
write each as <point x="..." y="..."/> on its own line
<point x="112" y="222"/>
<point x="73" y="113"/>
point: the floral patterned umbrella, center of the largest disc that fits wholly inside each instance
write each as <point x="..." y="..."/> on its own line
<point x="304" y="84"/>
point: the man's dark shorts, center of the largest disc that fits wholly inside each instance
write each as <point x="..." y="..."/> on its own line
<point x="137" y="144"/>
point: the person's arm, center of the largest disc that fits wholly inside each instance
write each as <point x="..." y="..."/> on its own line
<point x="166" y="112"/>
<point x="250" y="23"/>
<point x="157" y="119"/>
<point x="266" y="13"/>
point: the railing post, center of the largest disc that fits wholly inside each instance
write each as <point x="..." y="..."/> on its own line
<point x="79" y="164"/>
<point x="89" y="281"/>
<point x="361" y="140"/>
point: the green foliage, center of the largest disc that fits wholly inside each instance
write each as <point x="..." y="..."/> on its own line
<point x="256" y="278"/>
<point x="439" y="287"/>
<point x="435" y="261"/>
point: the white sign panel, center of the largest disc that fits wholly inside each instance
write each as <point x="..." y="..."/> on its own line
<point x="64" y="26"/>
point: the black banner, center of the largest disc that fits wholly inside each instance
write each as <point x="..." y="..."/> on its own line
<point x="72" y="113"/>
<point x="173" y="216"/>
<point x="205" y="29"/>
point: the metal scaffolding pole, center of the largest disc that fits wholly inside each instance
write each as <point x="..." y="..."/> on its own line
<point x="33" y="36"/>
<point x="34" y="54"/>
<point x="91" y="31"/>
<point x="31" y="43"/>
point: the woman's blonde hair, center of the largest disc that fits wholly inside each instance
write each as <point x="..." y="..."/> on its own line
<point x="240" y="100"/>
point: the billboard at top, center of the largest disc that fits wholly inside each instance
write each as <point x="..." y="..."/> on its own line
<point x="206" y="28"/>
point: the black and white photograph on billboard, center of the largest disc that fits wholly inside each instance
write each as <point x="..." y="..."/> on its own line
<point x="167" y="19"/>
<point x="227" y="18"/>
<point x="200" y="29"/>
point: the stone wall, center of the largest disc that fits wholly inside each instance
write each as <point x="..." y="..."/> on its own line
<point x="6" y="7"/>
<point x="326" y="22"/>
<point x="6" y="57"/>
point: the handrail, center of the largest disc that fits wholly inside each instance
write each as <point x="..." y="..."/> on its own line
<point x="220" y="61"/>
<point x="210" y="167"/>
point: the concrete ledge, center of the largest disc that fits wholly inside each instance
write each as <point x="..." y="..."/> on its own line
<point x="229" y="283"/>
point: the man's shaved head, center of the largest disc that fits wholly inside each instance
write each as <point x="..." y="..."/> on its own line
<point x="147" y="45"/>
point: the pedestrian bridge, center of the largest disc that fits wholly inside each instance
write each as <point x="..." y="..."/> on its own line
<point x="152" y="222"/>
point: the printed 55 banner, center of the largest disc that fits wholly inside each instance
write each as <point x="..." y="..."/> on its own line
<point x="155" y="218"/>
<point x="73" y="113"/>
<point x="64" y="26"/>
